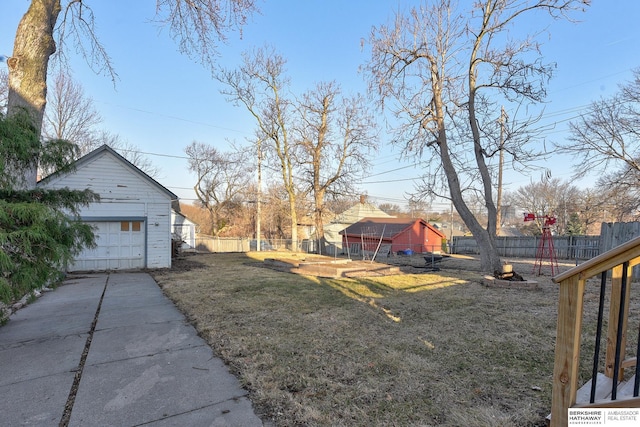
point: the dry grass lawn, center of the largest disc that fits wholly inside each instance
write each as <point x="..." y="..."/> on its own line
<point x="423" y="349"/>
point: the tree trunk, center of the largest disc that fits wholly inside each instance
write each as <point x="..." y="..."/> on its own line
<point x="294" y="223"/>
<point x="486" y="238"/>
<point x="489" y="258"/>
<point x="318" y="217"/>
<point x="33" y="46"/>
<point x="478" y="150"/>
<point x="214" y="220"/>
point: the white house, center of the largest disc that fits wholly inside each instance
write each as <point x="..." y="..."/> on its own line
<point x="133" y="218"/>
<point x="184" y="229"/>
<point x="352" y="215"/>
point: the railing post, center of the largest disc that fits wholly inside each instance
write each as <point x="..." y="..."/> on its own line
<point x="596" y="352"/>
<point x="567" y="354"/>
<point x="614" y="315"/>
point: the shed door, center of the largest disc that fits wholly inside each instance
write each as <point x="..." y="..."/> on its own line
<point x="120" y="246"/>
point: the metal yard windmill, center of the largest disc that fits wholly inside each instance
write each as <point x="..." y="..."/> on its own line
<point x="546" y="252"/>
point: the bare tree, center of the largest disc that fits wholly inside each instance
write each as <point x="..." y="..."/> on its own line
<point x="552" y="197"/>
<point x="319" y="143"/>
<point x="606" y="139"/>
<point x="197" y="26"/>
<point x="335" y="137"/>
<point x="590" y="209"/>
<point x="260" y="85"/>
<point x="276" y="218"/>
<point x="198" y="215"/>
<point x="70" y="114"/>
<point x="391" y="208"/>
<point x="221" y="179"/>
<point x="577" y="211"/>
<point x="441" y="72"/>
<point x="131" y="152"/>
<point x="618" y="203"/>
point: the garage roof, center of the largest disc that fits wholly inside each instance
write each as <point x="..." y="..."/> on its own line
<point x="106" y="149"/>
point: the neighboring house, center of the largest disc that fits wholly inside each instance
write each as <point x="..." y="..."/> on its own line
<point x="509" y="231"/>
<point x="392" y="235"/>
<point x="306" y="227"/>
<point x="132" y="221"/>
<point x="184" y="229"/>
<point x="451" y="229"/>
<point x="332" y="230"/>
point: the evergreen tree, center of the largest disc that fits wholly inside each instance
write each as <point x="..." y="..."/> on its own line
<point x="576" y="226"/>
<point x="40" y="230"/>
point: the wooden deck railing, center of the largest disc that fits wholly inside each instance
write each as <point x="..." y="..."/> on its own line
<point x="605" y="389"/>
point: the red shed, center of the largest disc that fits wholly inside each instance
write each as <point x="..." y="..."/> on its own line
<point x="394" y="234"/>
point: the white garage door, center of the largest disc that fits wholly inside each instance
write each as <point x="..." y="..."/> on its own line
<point x="120" y="246"/>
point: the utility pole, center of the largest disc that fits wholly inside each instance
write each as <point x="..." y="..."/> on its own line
<point x="451" y="231"/>
<point x="500" y="164"/>
<point x="259" y="198"/>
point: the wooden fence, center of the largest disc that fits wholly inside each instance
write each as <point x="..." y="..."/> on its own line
<point x="567" y="247"/>
<point x="243" y="244"/>
<point x="577" y="248"/>
<point x="222" y="244"/>
<point x="613" y="234"/>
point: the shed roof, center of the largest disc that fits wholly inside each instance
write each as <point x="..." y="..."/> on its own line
<point x="385" y="227"/>
<point x="184" y="218"/>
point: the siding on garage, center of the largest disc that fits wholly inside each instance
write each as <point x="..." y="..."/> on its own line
<point x="126" y="193"/>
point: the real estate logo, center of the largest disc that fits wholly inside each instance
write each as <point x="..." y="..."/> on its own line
<point x="615" y="417"/>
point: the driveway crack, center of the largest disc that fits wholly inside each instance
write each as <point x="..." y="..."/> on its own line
<point x="68" y="407"/>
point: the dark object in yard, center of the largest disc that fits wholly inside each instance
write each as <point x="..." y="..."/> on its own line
<point x="408" y="252"/>
<point x="432" y="259"/>
<point x="511" y="276"/>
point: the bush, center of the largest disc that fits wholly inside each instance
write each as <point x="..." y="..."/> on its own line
<point x="40" y="230"/>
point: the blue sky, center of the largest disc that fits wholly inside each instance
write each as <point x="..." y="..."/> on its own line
<point x="163" y="100"/>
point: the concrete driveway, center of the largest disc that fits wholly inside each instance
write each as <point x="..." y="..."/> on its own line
<point x="112" y="350"/>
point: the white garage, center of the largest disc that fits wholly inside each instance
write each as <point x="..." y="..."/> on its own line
<point x="120" y="246"/>
<point x="132" y="221"/>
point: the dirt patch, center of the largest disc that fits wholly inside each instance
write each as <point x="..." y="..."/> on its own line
<point x="331" y="267"/>
<point x="187" y="261"/>
<point x="406" y="264"/>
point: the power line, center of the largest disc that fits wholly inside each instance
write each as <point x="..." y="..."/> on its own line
<point x="173" y="156"/>
<point x="391" y="158"/>
<point x="182" y="119"/>
<point x="389" y="180"/>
